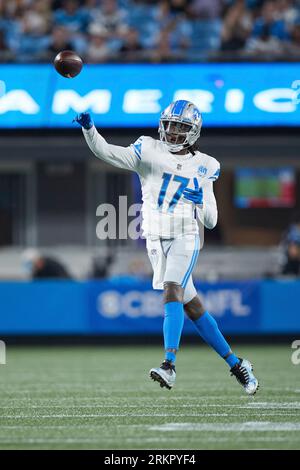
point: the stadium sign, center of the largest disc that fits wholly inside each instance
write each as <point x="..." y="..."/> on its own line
<point x="134" y="95"/>
<point x="125" y="305"/>
<point x="135" y="303"/>
<point x="131" y="306"/>
<point x="274" y="100"/>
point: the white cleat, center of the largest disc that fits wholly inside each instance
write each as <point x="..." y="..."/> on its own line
<point x="165" y="375"/>
<point x="243" y="372"/>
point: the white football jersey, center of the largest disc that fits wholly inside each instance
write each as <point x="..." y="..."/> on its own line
<point x="164" y="176"/>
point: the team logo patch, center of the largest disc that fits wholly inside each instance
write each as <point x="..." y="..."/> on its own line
<point x="179" y="166"/>
<point x="202" y="170"/>
<point x="153" y="252"/>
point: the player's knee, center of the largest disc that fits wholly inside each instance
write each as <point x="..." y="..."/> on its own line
<point x="172" y="292"/>
<point x="194" y="309"/>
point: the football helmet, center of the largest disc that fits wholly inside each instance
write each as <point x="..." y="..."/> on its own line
<point x="180" y="125"/>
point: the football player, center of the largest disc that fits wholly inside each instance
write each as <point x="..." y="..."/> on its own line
<point x="177" y="189"/>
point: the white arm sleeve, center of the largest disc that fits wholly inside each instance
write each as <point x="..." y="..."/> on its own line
<point x="121" y="157"/>
<point x="208" y="215"/>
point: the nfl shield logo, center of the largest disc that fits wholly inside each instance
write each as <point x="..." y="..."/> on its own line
<point x="179" y="166"/>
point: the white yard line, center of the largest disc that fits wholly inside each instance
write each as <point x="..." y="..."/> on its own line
<point x="274" y="405"/>
<point x="249" y="404"/>
<point x="253" y="406"/>
<point x="250" y="426"/>
<point x="141" y="440"/>
<point x="110" y="415"/>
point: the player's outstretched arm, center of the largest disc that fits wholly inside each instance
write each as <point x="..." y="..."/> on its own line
<point x="121" y="157"/>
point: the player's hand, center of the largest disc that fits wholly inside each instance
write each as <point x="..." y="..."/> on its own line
<point x="85" y="120"/>
<point x="194" y="195"/>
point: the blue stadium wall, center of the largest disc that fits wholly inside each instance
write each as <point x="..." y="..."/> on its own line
<point x="131" y="307"/>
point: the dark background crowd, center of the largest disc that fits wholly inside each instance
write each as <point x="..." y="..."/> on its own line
<point x="147" y="30"/>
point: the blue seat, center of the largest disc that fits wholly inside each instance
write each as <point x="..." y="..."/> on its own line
<point x="206" y="35"/>
<point x="139" y="15"/>
<point x="142" y="18"/>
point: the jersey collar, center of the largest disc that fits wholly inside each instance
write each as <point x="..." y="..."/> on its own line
<point x="182" y="158"/>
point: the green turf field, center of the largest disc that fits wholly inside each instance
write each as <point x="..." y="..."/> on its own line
<point x="102" y="398"/>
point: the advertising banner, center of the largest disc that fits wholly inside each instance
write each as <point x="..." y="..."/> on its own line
<point x="123" y="95"/>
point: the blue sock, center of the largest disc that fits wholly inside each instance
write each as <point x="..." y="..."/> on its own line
<point x="232" y="360"/>
<point x="209" y="331"/>
<point x="173" y="324"/>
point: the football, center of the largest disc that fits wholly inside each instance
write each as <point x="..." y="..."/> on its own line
<point x="68" y="64"/>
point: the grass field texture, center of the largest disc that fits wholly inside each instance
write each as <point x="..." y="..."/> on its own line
<point x="102" y="398"/>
